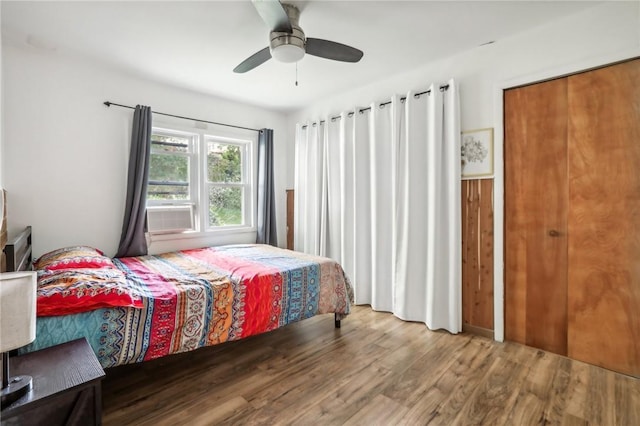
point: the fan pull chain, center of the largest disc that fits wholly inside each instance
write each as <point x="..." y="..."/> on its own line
<point x="296" y="74"/>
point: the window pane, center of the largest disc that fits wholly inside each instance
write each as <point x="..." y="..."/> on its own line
<point x="169" y="168"/>
<point x="225" y="206"/>
<point x="224" y="163"/>
<point x="165" y="143"/>
<point x="168" y="177"/>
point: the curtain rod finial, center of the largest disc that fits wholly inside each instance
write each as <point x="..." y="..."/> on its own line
<point x="107" y="103"/>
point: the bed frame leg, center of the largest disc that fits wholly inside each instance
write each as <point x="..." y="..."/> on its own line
<point x="337" y="321"/>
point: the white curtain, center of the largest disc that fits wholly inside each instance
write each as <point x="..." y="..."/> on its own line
<point x="308" y="198"/>
<point x="385" y="203"/>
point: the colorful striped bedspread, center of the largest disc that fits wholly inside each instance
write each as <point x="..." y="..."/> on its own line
<point x="202" y="297"/>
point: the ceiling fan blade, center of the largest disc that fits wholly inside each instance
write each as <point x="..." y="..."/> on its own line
<point x="332" y="50"/>
<point x="253" y="61"/>
<point x="273" y="14"/>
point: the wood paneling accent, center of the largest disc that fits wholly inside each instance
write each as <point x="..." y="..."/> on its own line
<point x="376" y="369"/>
<point x="604" y="217"/>
<point x="477" y="254"/>
<point x="3" y="230"/>
<point x="290" y="207"/>
<point x="536" y="215"/>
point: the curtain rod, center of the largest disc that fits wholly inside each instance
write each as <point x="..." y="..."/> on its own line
<point x="108" y="104"/>
<point x="361" y="110"/>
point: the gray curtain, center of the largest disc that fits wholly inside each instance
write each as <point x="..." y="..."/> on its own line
<point x="133" y="241"/>
<point x="266" y="190"/>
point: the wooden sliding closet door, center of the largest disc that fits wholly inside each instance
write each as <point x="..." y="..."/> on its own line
<point x="604" y="217"/>
<point x="572" y="216"/>
<point x="536" y="215"/>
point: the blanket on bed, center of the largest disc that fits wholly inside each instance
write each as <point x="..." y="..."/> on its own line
<point x="202" y="297"/>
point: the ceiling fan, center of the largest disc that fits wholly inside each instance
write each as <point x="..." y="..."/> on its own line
<point x="288" y="42"/>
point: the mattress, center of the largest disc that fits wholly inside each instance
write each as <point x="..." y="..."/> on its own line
<point x="203" y="297"/>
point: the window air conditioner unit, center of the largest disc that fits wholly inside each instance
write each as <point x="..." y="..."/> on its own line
<point x="169" y="219"/>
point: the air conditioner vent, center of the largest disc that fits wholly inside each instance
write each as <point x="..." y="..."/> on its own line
<point x="169" y="219"/>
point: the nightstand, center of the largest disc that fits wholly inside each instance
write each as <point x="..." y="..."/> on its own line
<point x="66" y="387"/>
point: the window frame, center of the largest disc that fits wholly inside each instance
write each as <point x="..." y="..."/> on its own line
<point x="248" y="182"/>
<point x="192" y="156"/>
<point x="201" y="135"/>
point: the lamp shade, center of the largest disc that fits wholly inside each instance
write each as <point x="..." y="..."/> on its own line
<point x="17" y="309"/>
<point x="287" y="53"/>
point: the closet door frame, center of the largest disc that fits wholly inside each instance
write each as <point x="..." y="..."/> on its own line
<point x="498" y="161"/>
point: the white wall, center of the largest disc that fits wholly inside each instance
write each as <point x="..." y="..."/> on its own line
<point x="610" y="31"/>
<point x="66" y="154"/>
<point x="606" y="33"/>
<point x="1" y="126"/>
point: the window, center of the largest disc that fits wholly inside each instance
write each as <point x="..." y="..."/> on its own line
<point x="200" y="182"/>
<point x="227" y="182"/>
<point x="169" y="166"/>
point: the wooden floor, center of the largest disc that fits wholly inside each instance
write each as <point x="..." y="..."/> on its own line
<point x="377" y="369"/>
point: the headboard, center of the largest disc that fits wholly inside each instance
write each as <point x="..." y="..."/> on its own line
<point x="18" y="252"/>
<point x="3" y="229"/>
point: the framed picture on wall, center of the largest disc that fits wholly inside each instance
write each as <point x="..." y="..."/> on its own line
<point x="477" y="154"/>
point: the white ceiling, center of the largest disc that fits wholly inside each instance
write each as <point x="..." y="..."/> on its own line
<point x="196" y="45"/>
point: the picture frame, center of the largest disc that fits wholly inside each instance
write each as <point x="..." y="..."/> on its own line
<point x="476" y="154"/>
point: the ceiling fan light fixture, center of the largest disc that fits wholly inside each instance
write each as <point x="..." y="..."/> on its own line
<point x="288" y="42"/>
<point x="288" y="47"/>
<point x="287" y="53"/>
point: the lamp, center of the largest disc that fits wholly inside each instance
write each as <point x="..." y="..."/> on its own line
<point x="17" y="327"/>
<point x="287" y="53"/>
<point x="288" y="47"/>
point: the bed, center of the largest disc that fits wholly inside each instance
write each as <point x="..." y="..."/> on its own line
<point x="140" y="308"/>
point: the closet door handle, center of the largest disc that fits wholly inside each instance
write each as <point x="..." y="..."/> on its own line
<point x="554" y="233"/>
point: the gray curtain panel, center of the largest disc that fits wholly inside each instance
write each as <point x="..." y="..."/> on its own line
<point x="133" y="241"/>
<point x="266" y="190"/>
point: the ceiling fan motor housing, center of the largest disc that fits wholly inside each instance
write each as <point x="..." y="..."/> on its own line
<point x="288" y="47"/>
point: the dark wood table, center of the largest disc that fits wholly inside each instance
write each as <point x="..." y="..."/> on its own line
<point x="66" y="387"/>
